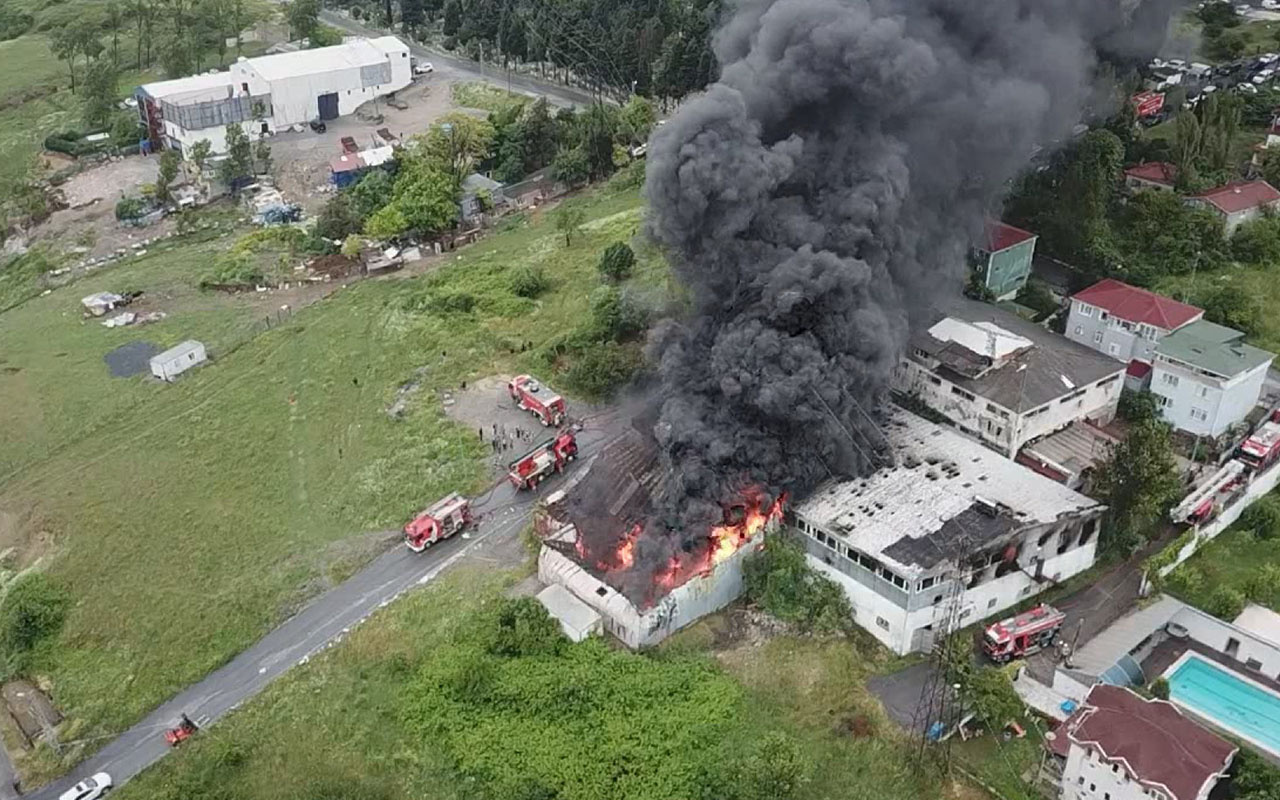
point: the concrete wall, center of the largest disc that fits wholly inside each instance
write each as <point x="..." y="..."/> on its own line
<point x="1088" y="777"/>
<point x="1005" y="272"/>
<point x="1187" y="395"/>
<point x="997" y="426"/>
<point x="1217" y="634"/>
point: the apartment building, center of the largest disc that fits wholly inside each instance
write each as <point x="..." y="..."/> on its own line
<point x="1206" y="378"/>
<point x="1125" y="322"/>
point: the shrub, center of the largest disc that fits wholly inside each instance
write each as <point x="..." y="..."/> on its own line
<point x="129" y="208"/>
<point x="779" y="580"/>
<point x="522" y="627"/>
<point x="617" y="316"/>
<point x="1262" y="518"/>
<point x="617" y="261"/>
<point x="34" y="609"/>
<point x="599" y="369"/>
<point x="1225" y="602"/>
<point x="529" y="282"/>
<point x="1160" y="688"/>
<point x="452" y="302"/>
<point x="233" y="269"/>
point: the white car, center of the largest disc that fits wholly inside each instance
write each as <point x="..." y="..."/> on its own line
<point x="426" y="67"/>
<point x="1247" y="88"/>
<point x="1210" y="89"/>
<point x="1262" y="77"/>
<point x="89" y="789"/>
<point x="1243" y="9"/>
<point x="1271" y="4"/>
<point x="1176" y="63"/>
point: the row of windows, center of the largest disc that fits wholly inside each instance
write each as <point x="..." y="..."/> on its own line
<point x="854" y="556"/>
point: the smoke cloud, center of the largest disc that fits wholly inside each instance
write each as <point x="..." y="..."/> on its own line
<point x="821" y="195"/>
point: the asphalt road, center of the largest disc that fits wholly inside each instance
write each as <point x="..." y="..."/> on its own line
<point x="502" y="513"/>
<point x="466" y="69"/>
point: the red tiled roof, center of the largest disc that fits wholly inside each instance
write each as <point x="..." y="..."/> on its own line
<point x="1002" y="236"/>
<point x="1138" y="305"/>
<point x="1160" y="172"/>
<point x="1151" y="739"/>
<point x="1240" y="195"/>
<point x="1137" y="369"/>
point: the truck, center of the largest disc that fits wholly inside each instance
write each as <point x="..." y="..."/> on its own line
<point x="1262" y="447"/>
<point x="1023" y="634"/>
<point x="538" y="399"/>
<point x="543" y="461"/>
<point x="441" y="520"/>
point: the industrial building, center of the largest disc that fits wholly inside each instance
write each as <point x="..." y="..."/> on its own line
<point x="1004" y="380"/>
<point x="949" y="534"/>
<point x="273" y="93"/>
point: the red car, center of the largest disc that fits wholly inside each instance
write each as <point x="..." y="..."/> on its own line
<point x="184" y="731"/>
<point x="349" y="145"/>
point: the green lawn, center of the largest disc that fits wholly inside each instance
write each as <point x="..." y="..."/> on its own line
<point x="1259" y="282"/>
<point x="1236" y="560"/>
<point x="485" y="96"/>
<point x="187" y="519"/>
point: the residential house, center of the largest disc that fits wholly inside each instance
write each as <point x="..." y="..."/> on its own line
<point x="1003" y="261"/>
<point x="479" y="194"/>
<point x="949" y="527"/>
<point x="273" y="93"/>
<point x="1121" y="746"/>
<point x="1126" y="322"/>
<point x="1157" y="175"/>
<point x="1003" y="379"/>
<point x="1206" y="378"/>
<point x="1237" y="202"/>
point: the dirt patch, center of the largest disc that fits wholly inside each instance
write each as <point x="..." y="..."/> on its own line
<point x="130" y="359"/>
<point x="32" y="710"/>
<point x="335" y="266"/>
<point x="486" y="408"/>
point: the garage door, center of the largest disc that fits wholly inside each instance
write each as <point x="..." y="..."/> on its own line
<point x="329" y="106"/>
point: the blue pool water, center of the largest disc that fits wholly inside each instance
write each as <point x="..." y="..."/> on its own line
<point x="1225" y="699"/>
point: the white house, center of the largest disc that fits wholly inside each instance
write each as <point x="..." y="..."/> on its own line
<point x="1237" y="202"/>
<point x="1206" y="378"/>
<point x="177" y="360"/>
<point x="1126" y="322"/>
<point x="273" y="93"/>
<point x="1120" y="746"/>
<point x="1003" y="379"/>
<point x="1159" y="176"/>
<point x="952" y="526"/>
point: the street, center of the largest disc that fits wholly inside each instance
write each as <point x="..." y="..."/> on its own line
<point x="501" y="513"/>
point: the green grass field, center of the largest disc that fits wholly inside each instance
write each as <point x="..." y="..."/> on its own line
<point x="485" y="96"/>
<point x="1236" y="560"/>
<point x="1258" y="282"/>
<point x="187" y="519"/>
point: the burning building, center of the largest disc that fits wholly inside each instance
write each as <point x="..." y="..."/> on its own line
<point x="951" y="533"/>
<point x="592" y="531"/>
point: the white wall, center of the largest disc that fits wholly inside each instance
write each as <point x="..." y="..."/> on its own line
<point x="1089" y="778"/>
<point x="1123" y="340"/>
<point x="295" y="99"/>
<point x="1215" y="633"/>
<point x="996" y="425"/>
<point x="1224" y="402"/>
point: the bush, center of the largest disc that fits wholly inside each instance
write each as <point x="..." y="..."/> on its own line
<point x="1138" y="406"/>
<point x="616" y="316"/>
<point x="617" y="261"/>
<point x="1262" y="518"/>
<point x="601" y="368"/>
<point x="521" y="626"/>
<point x="529" y="282"/>
<point x="33" y="610"/>
<point x="1160" y="688"/>
<point x="451" y="302"/>
<point x="129" y="208"/>
<point x="233" y="269"/>
<point x="1225" y="603"/>
<point x="779" y="580"/>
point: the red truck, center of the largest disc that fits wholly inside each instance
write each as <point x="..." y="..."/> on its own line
<point x="1262" y="447"/>
<point x="548" y="458"/>
<point x="535" y="397"/>
<point x="442" y="520"/>
<point x="1022" y="635"/>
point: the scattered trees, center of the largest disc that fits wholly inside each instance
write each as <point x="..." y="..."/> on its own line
<point x="100" y="86"/>
<point x="569" y="218"/>
<point x="303" y="17"/>
<point x="780" y="581"/>
<point x="1139" y="482"/>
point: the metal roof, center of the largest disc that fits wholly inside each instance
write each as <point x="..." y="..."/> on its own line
<point x="1051" y="367"/>
<point x="1132" y="304"/>
<point x="911" y="512"/>
<point x="1213" y="348"/>
<point x="192" y="88"/>
<point x="178" y="351"/>
<point x="352" y="54"/>
<point x="1075" y="448"/>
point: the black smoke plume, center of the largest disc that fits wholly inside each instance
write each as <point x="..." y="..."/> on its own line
<point x="821" y="194"/>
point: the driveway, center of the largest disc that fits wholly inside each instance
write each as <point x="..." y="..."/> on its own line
<point x="502" y="513"/>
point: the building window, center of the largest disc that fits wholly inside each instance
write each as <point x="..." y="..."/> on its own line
<point x="1204" y="391"/>
<point x="1086" y="309"/>
<point x="991" y="603"/>
<point x="244" y="87"/>
<point x="1080" y="780"/>
<point x="1199" y="413"/>
<point x="956" y="390"/>
<point x="882" y="622"/>
<point x="927" y="582"/>
<point x="1113" y="349"/>
<point x="1079" y="331"/>
<point x="935" y="380"/>
<point x="1171" y="380"/>
<point x="1097" y="337"/>
<point x="1093" y="787"/>
<point x="1253" y="664"/>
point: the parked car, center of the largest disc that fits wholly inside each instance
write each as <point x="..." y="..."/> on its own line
<point x="318" y="125"/>
<point x="1247" y="88"/>
<point x="425" y="68"/>
<point x="1271" y="4"/>
<point x="1176" y="63"/>
<point x="1262" y="77"/>
<point x="1210" y="89"/>
<point x="1243" y="9"/>
<point x="89" y="789"/>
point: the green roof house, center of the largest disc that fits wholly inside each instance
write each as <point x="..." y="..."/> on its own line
<point x="1206" y="378"/>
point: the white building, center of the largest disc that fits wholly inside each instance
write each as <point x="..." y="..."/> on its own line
<point x="177" y="360"/>
<point x="1237" y="202"/>
<point x="1126" y="322"/>
<point x="1120" y="746"/>
<point x="1207" y="379"/>
<point x="952" y="524"/>
<point x="1005" y="380"/>
<point x="273" y="93"/>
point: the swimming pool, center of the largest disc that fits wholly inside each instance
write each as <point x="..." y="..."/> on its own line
<point x="1232" y="702"/>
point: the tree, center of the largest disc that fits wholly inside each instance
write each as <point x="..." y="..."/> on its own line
<point x="351" y="245"/>
<point x="569" y="219"/>
<point x="99" y="94"/>
<point x="338" y="220"/>
<point x="1253" y="777"/>
<point x="428" y="201"/>
<point x="538" y="136"/>
<point x="990" y="691"/>
<point x="570" y="166"/>
<point x="1138" y="406"/>
<point x="1234" y="307"/>
<point x="33" y="610"/>
<point x="387" y="223"/>
<point x="529" y="282"/>
<point x="598" y="369"/>
<point x="413" y="14"/>
<point x="1225" y="602"/>
<point x="80" y="38"/>
<point x="1160" y="688"/>
<point x="371" y="192"/>
<point x="303" y="17"/>
<point x="456" y="143"/>
<point x="599" y="127"/>
<point x="198" y="156"/>
<point x="617" y="261"/>
<point x="262" y="155"/>
<point x="239" y="160"/>
<point x="1188" y="138"/>
<point x="615" y="315"/>
<point x="169" y="163"/>
<point x="1257" y="242"/>
<point x="452" y="17"/>
<point x="1262" y="518"/>
<point x="637" y="118"/>
<point x="780" y="580"/>
<point x="1139" y="482"/>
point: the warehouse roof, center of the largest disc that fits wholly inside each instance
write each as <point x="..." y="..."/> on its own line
<point x="1150" y="739"/>
<point x="355" y="53"/>
<point x="1020" y="377"/>
<point x="194" y="88"/>
<point x="1213" y="348"/>
<point x="1132" y="304"/>
<point x="946" y="491"/>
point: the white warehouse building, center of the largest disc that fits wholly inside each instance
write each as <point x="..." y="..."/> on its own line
<point x="951" y="533"/>
<point x="273" y="93"/>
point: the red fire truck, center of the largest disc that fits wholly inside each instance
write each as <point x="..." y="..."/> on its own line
<point x="532" y="396"/>
<point x="1262" y="447"/>
<point x="442" y="520"/>
<point x="1147" y="103"/>
<point x="548" y="458"/>
<point x="1022" y="635"/>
